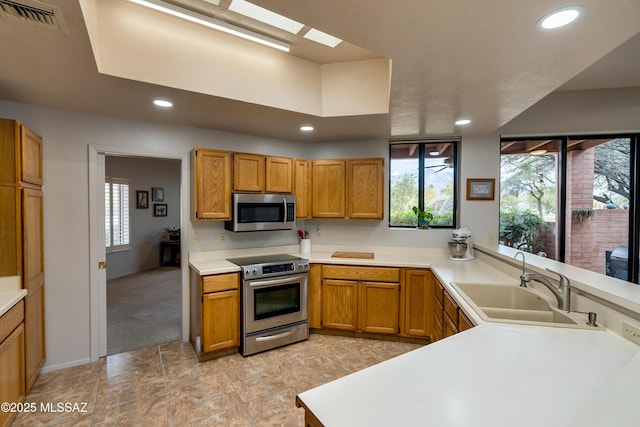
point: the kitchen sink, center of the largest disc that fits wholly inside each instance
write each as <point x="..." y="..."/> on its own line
<point x="514" y="304"/>
<point x="501" y="296"/>
<point x="550" y="316"/>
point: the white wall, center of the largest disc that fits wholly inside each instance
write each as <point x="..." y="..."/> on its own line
<point x="67" y="136"/>
<point x="146" y="229"/>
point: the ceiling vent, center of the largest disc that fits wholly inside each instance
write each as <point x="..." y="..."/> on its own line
<point x="40" y="14"/>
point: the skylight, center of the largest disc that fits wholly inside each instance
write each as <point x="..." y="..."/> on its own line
<point x="322" y="38"/>
<point x="266" y="16"/>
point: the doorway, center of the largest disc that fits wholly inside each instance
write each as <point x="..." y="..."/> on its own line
<point x="98" y="265"/>
<point x="142" y="204"/>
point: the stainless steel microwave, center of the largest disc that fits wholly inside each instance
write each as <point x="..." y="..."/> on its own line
<point x="258" y="212"/>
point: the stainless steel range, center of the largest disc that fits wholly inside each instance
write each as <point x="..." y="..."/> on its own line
<point x="274" y="301"/>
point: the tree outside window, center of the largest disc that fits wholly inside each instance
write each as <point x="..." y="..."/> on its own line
<point x="422" y="175"/>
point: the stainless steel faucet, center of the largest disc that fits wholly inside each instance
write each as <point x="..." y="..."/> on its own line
<point x="562" y="290"/>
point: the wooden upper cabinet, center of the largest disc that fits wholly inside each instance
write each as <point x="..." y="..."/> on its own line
<point x="328" y="188"/>
<point x="302" y="187"/>
<point x="248" y="172"/>
<point x="211" y="185"/>
<point x="279" y="175"/>
<point x="20" y="154"/>
<point x="365" y="188"/>
<point x="31" y="157"/>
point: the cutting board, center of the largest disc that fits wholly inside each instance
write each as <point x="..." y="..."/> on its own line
<point x="360" y="255"/>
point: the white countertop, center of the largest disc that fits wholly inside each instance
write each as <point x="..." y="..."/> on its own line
<point x="10" y="292"/>
<point x="491" y="375"/>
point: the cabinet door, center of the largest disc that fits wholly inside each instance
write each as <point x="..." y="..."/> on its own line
<point x="339" y="304"/>
<point x="438" y="312"/>
<point x="32" y="239"/>
<point x="30" y="156"/>
<point x="248" y="172"/>
<point x="279" y="175"/>
<point x="302" y="187"/>
<point x="365" y="189"/>
<point x="12" y="384"/>
<point x="463" y="322"/>
<point x="10" y="231"/>
<point x="328" y="188"/>
<point x="211" y="184"/>
<point x="419" y="305"/>
<point x="34" y="335"/>
<point x="315" y="296"/>
<point x="378" y="308"/>
<point x="220" y="320"/>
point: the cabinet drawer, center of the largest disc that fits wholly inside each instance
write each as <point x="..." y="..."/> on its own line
<point x="220" y="282"/>
<point x="463" y="322"/>
<point x="449" y="328"/>
<point x="437" y="329"/>
<point x="438" y="310"/>
<point x="438" y="291"/>
<point x="451" y="308"/>
<point x="11" y="319"/>
<point x="372" y="274"/>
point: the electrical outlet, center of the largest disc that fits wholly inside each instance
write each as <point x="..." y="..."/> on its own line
<point x="194" y="237"/>
<point x="318" y="232"/>
<point x="631" y="332"/>
<point x="223" y="237"/>
<point x="491" y="239"/>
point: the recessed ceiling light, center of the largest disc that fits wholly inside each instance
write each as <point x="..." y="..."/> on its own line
<point x="434" y="153"/>
<point x="462" y="122"/>
<point x="266" y="16"/>
<point x="559" y="17"/>
<point x="306" y="128"/>
<point x="322" y="38"/>
<point x="163" y="103"/>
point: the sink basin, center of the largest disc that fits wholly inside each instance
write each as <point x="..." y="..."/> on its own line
<point x="550" y="316"/>
<point x="513" y="304"/>
<point x="501" y="296"/>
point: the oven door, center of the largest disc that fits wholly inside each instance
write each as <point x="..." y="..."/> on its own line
<point x="274" y="302"/>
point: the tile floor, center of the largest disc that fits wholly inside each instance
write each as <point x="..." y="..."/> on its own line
<point x="166" y="386"/>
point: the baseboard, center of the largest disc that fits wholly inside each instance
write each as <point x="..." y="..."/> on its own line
<point x="49" y="368"/>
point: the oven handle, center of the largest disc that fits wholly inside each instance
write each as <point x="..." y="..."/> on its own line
<point x="275" y="337"/>
<point x="280" y="281"/>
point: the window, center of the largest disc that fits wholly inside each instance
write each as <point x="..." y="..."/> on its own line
<point x="423" y="175"/>
<point x="572" y="199"/>
<point x="116" y="214"/>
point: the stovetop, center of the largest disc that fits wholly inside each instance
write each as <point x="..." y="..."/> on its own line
<point x="265" y="259"/>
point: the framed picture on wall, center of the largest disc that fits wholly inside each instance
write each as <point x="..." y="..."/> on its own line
<point x="481" y="188"/>
<point x="157" y="194"/>
<point x="160" y="209"/>
<point x="142" y="199"/>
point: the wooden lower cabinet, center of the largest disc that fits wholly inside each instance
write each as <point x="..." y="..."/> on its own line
<point x="364" y="299"/>
<point x="35" y="351"/>
<point x="449" y="319"/>
<point x="220" y="320"/>
<point x="378" y="307"/>
<point x="12" y="373"/>
<point x="418" y="302"/>
<point x="215" y="312"/>
<point x="339" y="304"/>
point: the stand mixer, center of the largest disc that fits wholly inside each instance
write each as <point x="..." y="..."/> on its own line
<point x="460" y="245"/>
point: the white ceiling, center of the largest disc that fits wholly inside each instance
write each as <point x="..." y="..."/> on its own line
<point x="481" y="60"/>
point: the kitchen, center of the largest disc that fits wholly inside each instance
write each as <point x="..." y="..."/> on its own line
<point x="68" y="132"/>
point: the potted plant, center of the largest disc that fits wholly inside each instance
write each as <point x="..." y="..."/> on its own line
<point x="424" y="217"/>
<point x="173" y="232"/>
